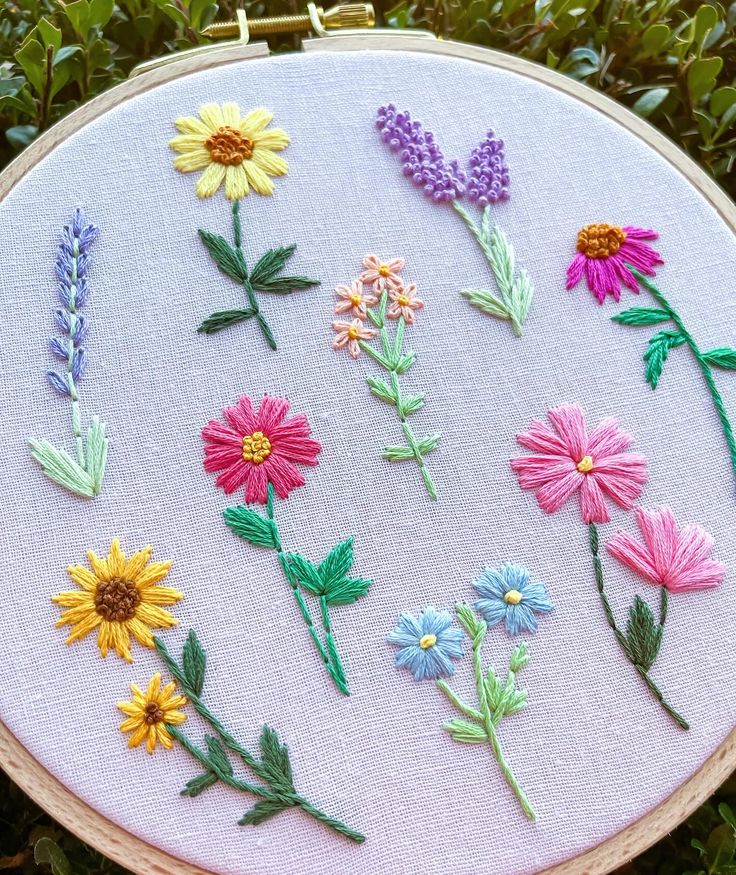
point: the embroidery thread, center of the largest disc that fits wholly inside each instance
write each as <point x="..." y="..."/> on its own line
<point x="238" y="152"/>
<point x="609" y="255"/>
<point x="260" y="449"/>
<point x="597" y="465"/>
<point x="396" y="302"/>
<point x="84" y="475"/>
<point x="444" y="182"/>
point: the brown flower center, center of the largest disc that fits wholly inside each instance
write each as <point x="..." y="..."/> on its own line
<point x="600" y="241"/>
<point x="153" y="713"/>
<point x="256" y="447"/>
<point x="228" y="146"/>
<point x="117" y="599"/>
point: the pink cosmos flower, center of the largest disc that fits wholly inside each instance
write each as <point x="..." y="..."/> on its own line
<point x="570" y="460"/>
<point x="382" y="274"/>
<point x="603" y="253"/>
<point x="348" y="335"/>
<point x="256" y="448"/>
<point x="678" y="559"/>
<point x="354" y="299"/>
<point x="403" y="302"/>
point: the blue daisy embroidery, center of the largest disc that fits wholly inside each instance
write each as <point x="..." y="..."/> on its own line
<point x="508" y="594"/>
<point x="427" y="644"/>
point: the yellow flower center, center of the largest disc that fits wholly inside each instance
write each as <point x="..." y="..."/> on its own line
<point x="356" y="299"/>
<point x="228" y="146"/>
<point x="256" y="447"/>
<point x="384" y="270"/>
<point x="427" y="641"/>
<point x="585" y="465"/>
<point x="116" y="600"/>
<point x="402" y="300"/>
<point x="153" y="713"/>
<point x="353" y="332"/>
<point x="601" y="240"/>
<point x="513" y="597"/>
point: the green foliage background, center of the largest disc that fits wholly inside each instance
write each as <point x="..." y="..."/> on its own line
<point x="673" y="63"/>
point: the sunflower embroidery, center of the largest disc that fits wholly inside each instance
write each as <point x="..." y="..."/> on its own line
<point x="149" y="714"/>
<point x="118" y="597"/>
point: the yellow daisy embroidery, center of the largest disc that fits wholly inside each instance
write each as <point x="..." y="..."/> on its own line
<point x="119" y="598"/>
<point x="149" y="713"/>
<point x="230" y="149"/>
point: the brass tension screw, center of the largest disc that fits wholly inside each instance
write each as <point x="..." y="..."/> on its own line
<point x="348" y="15"/>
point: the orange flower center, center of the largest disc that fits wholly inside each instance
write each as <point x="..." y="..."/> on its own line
<point x="402" y="300"/>
<point x="353" y="332"/>
<point x="384" y="270"/>
<point x="256" y="447"/>
<point x="600" y="241"/>
<point x="228" y="146"/>
<point x="356" y="299"/>
<point x="116" y="600"/>
<point x="585" y="465"/>
<point x="153" y="713"/>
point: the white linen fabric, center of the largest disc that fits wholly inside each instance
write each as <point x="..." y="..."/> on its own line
<point x="593" y="749"/>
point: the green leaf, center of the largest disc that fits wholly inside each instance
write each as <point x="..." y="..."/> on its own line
<point x="722" y="357"/>
<point x="381" y="390"/>
<point x="251" y="526"/>
<point x="469" y="620"/>
<point x="308" y="573"/>
<point x="347" y="591"/>
<point x="701" y="76"/>
<point x="199" y="784"/>
<point x="487" y="302"/>
<point x="404" y="362"/>
<point x="50" y="34"/>
<point x="727" y="813"/>
<point x="429" y="443"/>
<point x="465" y="732"/>
<point x="721" y="846"/>
<point x="395" y="453"/>
<point x="656" y="355"/>
<point x="100" y="12"/>
<point x="194" y="662"/>
<point x="410" y="404"/>
<point x="97" y="444"/>
<point x="270" y="264"/>
<point x="224" y="319"/>
<point x="720" y="100"/>
<point x="78" y="15"/>
<point x="32" y="58"/>
<point x="655" y="38"/>
<point x="643" y="634"/>
<point x="47" y="851"/>
<point x="275" y="764"/>
<point x="261" y="811"/>
<point x="59" y="466"/>
<point x="217" y="755"/>
<point x="21" y="136"/>
<point x="11" y="86"/>
<point x="228" y="259"/>
<point x="515" y="702"/>
<point x="337" y="563"/>
<point x="641" y="316"/>
<point x="284" y="285"/>
<point x="651" y="100"/>
<point x="494" y="689"/>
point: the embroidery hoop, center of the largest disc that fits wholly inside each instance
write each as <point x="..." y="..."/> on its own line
<point x="111" y="839"/>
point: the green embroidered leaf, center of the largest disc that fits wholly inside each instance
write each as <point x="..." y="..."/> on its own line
<point x="641" y="316"/>
<point x="270" y="264"/>
<point x="520" y="298"/>
<point x="347" y="591"/>
<point x="261" y="811"/>
<point x="659" y="346"/>
<point x="275" y="764"/>
<point x="381" y="390"/>
<point x="337" y="563"/>
<point x="520" y="657"/>
<point x="96" y="453"/>
<point x="224" y="319"/>
<point x="487" y="302"/>
<point x="284" y="285"/>
<point x="227" y="258"/>
<point x="398" y="454"/>
<point x="59" y="466"/>
<point x="308" y="573"/>
<point x="194" y="662"/>
<point x="410" y="404"/>
<point x="494" y="689"/>
<point x="336" y="668"/>
<point x="217" y="755"/>
<point x="721" y="358"/>
<point x="516" y="702"/>
<point x="502" y="262"/>
<point x="643" y="634"/>
<point x="250" y="526"/>
<point x="404" y="362"/>
<point x="199" y="784"/>
<point x="468" y="733"/>
<point x="429" y="443"/>
<point x="469" y="620"/>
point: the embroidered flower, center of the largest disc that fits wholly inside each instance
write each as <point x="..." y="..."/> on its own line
<point x="427" y="644"/>
<point x="508" y="594"/>
<point x="348" y="335"/>
<point x="382" y="274"/>
<point x="354" y="299"/>
<point x="676" y="558"/>
<point x="149" y="713"/>
<point x="603" y="254"/>
<point x="570" y="460"/>
<point x="230" y="149"/>
<point x="256" y="448"/>
<point x="489" y="174"/>
<point x="403" y="303"/>
<point x="119" y="598"/>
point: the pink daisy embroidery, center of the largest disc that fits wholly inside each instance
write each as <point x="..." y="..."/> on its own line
<point x="354" y="299"/>
<point x="348" y="335"/>
<point x="603" y="253"/>
<point x="382" y="274"/>
<point x="404" y="302"/>
<point x="256" y="448"/>
<point x="571" y="460"/>
<point x="676" y="558"/>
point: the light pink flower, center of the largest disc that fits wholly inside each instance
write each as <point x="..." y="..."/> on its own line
<point x="603" y="254"/>
<point x="256" y="448"/>
<point x="354" y="299"/>
<point x="348" y="335"/>
<point x="382" y="274"/>
<point x="570" y="460"/>
<point x="403" y="302"/>
<point x="678" y="559"/>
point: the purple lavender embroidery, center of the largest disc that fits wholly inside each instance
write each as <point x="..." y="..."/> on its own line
<point x="83" y="476"/>
<point x="487" y="184"/>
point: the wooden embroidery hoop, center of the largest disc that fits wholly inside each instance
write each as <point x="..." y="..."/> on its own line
<point x="136" y="854"/>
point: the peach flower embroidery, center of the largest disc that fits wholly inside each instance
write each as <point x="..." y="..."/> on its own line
<point x="349" y="334"/>
<point x="354" y="299"/>
<point x="382" y="274"/>
<point x="404" y="302"/>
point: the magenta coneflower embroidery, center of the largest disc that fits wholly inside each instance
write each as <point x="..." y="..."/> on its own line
<point x="596" y="465"/>
<point x="444" y="182"/>
<point x="608" y="256"/>
<point x="260" y="451"/>
<point x="381" y="296"/>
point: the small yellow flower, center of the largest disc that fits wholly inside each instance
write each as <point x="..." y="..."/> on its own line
<point x="119" y="598"/>
<point x="149" y="713"/>
<point x="230" y="149"/>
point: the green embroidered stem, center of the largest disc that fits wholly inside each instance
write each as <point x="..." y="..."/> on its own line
<point x="247" y="285"/>
<point x="630" y="644"/>
<point x="73" y="394"/>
